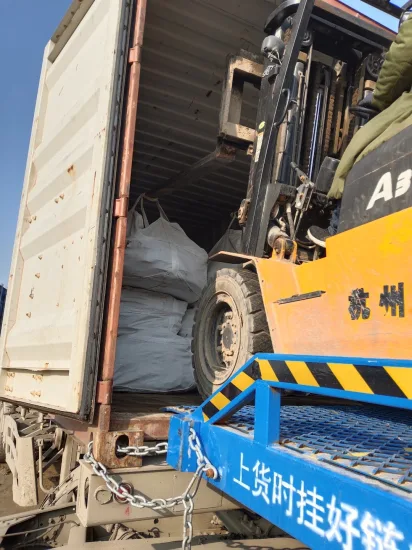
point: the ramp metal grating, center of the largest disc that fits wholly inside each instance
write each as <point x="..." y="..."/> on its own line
<point x="369" y="440"/>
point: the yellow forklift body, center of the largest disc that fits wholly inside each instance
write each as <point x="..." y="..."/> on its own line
<point x="308" y="306"/>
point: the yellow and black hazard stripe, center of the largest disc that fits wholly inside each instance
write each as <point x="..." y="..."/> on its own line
<point x="365" y="379"/>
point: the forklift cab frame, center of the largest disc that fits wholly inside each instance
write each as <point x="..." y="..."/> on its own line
<point x="331" y="29"/>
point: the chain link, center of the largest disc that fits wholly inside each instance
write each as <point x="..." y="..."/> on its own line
<point x="142" y="450"/>
<point x="139" y="501"/>
<point x="202" y="461"/>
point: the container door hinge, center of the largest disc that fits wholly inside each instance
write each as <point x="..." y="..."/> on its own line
<point x="104" y="392"/>
<point x="135" y="54"/>
<point x="120" y="207"/>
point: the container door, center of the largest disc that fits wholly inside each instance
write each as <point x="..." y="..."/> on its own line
<point x="52" y="321"/>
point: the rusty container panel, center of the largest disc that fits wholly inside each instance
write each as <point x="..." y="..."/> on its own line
<point x="50" y="336"/>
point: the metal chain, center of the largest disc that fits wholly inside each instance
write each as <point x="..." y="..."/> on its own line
<point x="142" y="450"/>
<point x="186" y="499"/>
<point x="202" y="460"/>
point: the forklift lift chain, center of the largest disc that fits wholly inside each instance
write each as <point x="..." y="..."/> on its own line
<point x="125" y="494"/>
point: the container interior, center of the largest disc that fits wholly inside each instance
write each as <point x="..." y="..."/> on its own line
<point x="184" y="61"/>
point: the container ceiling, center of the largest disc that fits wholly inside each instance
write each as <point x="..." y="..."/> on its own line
<point x="186" y="43"/>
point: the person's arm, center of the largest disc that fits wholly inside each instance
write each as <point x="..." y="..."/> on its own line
<point x="396" y="74"/>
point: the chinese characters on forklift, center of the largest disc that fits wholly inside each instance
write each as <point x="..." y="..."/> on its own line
<point x="391" y="298"/>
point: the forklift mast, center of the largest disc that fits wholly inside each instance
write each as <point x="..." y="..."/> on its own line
<point x="335" y="33"/>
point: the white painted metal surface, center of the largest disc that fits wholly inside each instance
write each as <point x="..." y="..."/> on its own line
<point x="52" y="318"/>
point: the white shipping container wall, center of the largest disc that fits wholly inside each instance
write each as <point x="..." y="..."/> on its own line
<point x="49" y="332"/>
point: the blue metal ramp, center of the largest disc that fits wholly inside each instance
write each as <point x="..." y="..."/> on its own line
<point x="331" y="476"/>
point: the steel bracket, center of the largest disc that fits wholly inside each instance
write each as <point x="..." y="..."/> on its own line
<point x="104" y="448"/>
<point x="104" y="392"/>
<point x="120" y="207"/>
<point x="96" y="505"/>
<point x="135" y="54"/>
<point x="20" y="459"/>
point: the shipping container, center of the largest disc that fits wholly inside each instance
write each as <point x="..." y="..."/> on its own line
<point x="3" y="294"/>
<point x="129" y="99"/>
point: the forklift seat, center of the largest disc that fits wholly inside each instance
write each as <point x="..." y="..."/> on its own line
<point x="326" y="174"/>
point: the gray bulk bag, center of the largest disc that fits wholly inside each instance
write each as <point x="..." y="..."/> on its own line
<point x="161" y="257"/>
<point x="153" y="362"/>
<point x="146" y="310"/>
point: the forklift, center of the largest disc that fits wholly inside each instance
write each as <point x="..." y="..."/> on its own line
<point x="290" y="316"/>
<point x="283" y="293"/>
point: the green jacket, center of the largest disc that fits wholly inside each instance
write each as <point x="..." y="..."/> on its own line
<point x="392" y="97"/>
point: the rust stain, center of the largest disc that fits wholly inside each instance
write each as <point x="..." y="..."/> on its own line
<point x="104" y="444"/>
<point x="104" y="392"/>
<point x="155" y="427"/>
<point x="77" y="390"/>
<point x="31" y="295"/>
<point x="40" y="257"/>
<point x="94" y="182"/>
<point x="37" y="275"/>
<point x="35" y="393"/>
<point x="11" y="374"/>
<point x="38" y="377"/>
<point x="28" y="314"/>
<point x="62" y="196"/>
<point x="8" y="388"/>
<point x="70" y="170"/>
<point x="46" y="365"/>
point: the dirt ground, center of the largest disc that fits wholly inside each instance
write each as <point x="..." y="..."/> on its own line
<point x="7" y="505"/>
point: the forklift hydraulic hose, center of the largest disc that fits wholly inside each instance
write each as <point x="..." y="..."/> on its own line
<point x="285" y="91"/>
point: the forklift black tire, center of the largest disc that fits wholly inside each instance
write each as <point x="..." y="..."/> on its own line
<point x="230" y="326"/>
